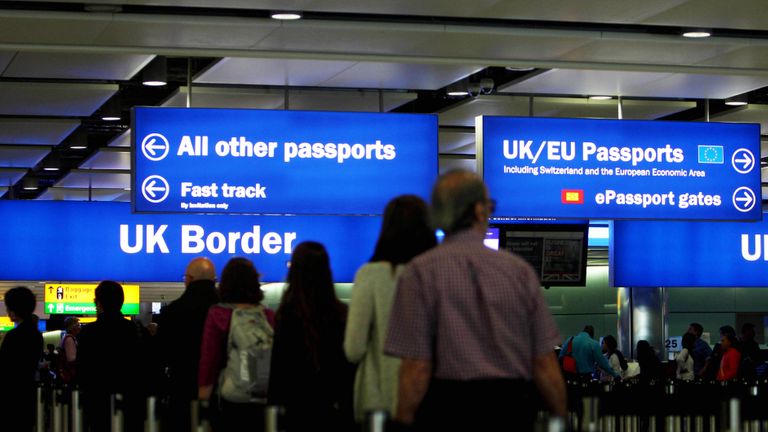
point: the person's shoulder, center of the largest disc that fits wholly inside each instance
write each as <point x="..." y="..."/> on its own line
<point x="374" y="270"/>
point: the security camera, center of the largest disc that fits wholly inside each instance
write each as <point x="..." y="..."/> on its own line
<point x="486" y="85"/>
<point x="474" y="89"/>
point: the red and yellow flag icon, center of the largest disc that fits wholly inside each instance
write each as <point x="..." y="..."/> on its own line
<point x="572" y="196"/>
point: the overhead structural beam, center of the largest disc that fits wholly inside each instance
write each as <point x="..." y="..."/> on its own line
<point x="105" y="20"/>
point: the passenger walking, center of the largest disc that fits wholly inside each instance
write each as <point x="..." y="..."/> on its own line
<point x="471" y="326"/>
<point x="616" y="360"/>
<point x="235" y="350"/>
<point x="180" y="333"/>
<point x="109" y="352"/>
<point x="310" y="375"/>
<point x="684" y="359"/>
<point x="701" y="349"/>
<point x="405" y="233"/>
<point x="731" y="358"/>
<point x="67" y="367"/>
<point x="588" y="355"/>
<point x="19" y="355"/>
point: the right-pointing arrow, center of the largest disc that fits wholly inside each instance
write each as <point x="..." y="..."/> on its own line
<point x="747" y="161"/>
<point x="746" y="199"/>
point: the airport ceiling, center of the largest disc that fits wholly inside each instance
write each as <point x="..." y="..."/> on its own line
<point x="65" y="65"/>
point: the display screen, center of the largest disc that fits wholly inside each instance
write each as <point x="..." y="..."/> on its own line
<point x="557" y="252"/>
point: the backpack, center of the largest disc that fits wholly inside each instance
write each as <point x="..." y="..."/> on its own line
<point x="249" y="351"/>
<point x="568" y="362"/>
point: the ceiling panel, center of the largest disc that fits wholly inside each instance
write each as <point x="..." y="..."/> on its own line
<point x="743" y="14"/>
<point x="752" y="57"/>
<point x="585" y="108"/>
<point x="5" y="59"/>
<point x="83" y="194"/>
<point x="272" y="71"/>
<point x="98" y="179"/>
<point x="400" y="76"/>
<point x="674" y="51"/>
<point x="312" y="100"/>
<point x="39" y="27"/>
<point x="636" y="84"/>
<point x="11" y="176"/>
<point x="75" y="66"/>
<point x="14" y="156"/>
<point x="48" y="99"/>
<point x="109" y="159"/>
<point x="456" y="142"/>
<point x="186" y="31"/>
<point x="464" y="113"/>
<point x="122" y="140"/>
<point x="35" y="131"/>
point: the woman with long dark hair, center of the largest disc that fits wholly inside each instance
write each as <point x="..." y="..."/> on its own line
<point x="405" y="233"/>
<point x="615" y="357"/>
<point x="310" y="376"/>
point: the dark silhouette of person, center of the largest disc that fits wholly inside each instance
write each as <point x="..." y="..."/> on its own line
<point x="109" y="362"/>
<point x="19" y="356"/>
<point x="179" y="335"/>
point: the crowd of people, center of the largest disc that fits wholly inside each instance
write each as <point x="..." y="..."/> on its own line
<point x="433" y="335"/>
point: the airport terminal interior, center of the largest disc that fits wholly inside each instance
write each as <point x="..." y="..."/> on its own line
<point x="72" y="72"/>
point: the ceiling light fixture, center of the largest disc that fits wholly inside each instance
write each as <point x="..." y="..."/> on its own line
<point x="600" y="97"/>
<point x="519" y="69"/>
<point x="156" y="72"/>
<point x="79" y="142"/>
<point x="739" y="100"/>
<point x="29" y="183"/>
<point x="111" y="110"/>
<point x="285" y="15"/>
<point x="697" y="34"/>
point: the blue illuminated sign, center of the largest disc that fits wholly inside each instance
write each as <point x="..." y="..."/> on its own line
<point x="194" y="160"/>
<point x="89" y="241"/>
<point x="620" y="169"/>
<point x="690" y="254"/>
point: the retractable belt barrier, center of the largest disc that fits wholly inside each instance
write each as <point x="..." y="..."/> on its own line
<point x="668" y="405"/>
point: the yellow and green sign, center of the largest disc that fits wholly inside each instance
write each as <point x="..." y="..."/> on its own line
<point x="77" y="299"/>
<point x="5" y="324"/>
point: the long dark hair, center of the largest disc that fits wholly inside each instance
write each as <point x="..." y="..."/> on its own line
<point x="310" y="294"/>
<point x="405" y="231"/>
<point x="613" y="348"/>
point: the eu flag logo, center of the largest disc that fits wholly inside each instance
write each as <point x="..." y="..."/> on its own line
<point x="711" y="154"/>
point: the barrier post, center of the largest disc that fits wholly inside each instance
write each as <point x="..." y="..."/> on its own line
<point x="376" y="420"/>
<point x="194" y="414"/>
<point x="117" y="413"/>
<point x="270" y="418"/>
<point x="204" y="417"/>
<point x="58" y="409"/>
<point x="151" y="424"/>
<point x="734" y="407"/>
<point x="77" y="412"/>
<point x="40" y="412"/>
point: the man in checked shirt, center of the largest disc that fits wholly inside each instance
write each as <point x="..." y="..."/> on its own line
<point x="471" y="326"/>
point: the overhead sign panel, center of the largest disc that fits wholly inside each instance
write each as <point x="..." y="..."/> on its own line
<point x="690" y="254"/>
<point x="92" y="241"/>
<point x="194" y="160"/>
<point x="620" y="169"/>
<point x="78" y="299"/>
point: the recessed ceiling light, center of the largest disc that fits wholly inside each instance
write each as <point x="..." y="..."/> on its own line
<point x="519" y="69"/>
<point x="285" y="16"/>
<point x="600" y="97"/>
<point x="154" y="83"/>
<point x="78" y="147"/>
<point x="736" y="103"/>
<point x="50" y="168"/>
<point x="109" y="118"/>
<point x="697" y="34"/>
<point x="458" y="93"/>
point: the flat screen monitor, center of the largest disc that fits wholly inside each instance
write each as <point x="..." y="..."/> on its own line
<point x="557" y="252"/>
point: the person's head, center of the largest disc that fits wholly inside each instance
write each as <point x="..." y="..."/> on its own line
<point x="199" y="268"/>
<point x="460" y="201"/>
<point x="609" y="344"/>
<point x="240" y="282"/>
<point x="72" y="325"/>
<point x="109" y="297"/>
<point x="748" y="332"/>
<point x="588" y="329"/>
<point x="696" y="329"/>
<point x="727" y="341"/>
<point x="405" y="231"/>
<point x="310" y="282"/>
<point x="50" y="348"/>
<point x="727" y="330"/>
<point x="689" y="340"/>
<point x="20" y="303"/>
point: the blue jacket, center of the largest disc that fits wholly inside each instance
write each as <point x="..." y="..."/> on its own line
<point x="587" y="353"/>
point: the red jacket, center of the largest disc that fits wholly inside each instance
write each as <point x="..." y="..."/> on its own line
<point x="729" y="366"/>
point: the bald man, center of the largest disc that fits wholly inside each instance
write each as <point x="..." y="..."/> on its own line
<point x="180" y="332"/>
